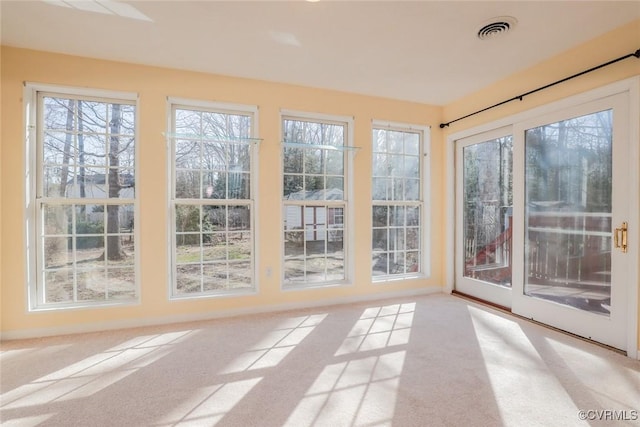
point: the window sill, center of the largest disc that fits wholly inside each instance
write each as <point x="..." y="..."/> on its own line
<point x="83" y="306"/>
<point x="210" y="295"/>
<point x="398" y="278"/>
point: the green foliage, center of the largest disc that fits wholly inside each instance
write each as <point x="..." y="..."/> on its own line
<point x="188" y="221"/>
<point x="89" y="242"/>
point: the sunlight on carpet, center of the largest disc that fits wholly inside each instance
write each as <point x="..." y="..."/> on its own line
<point x="360" y="390"/>
<point x="511" y="361"/>
<point x="276" y="345"/>
<point x="209" y="405"/>
<point x="95" y="373"/>
<point x="380" y="327"/>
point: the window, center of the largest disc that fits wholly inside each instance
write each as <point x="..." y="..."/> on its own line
<point x="84" y="198"/>
<point x="398" y="187"/>
<point x="316" y="159"/>
<point x="212" y="206"/>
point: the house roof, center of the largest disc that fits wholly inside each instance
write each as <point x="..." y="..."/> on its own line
<point x="126" y="180"/>
<point x="329" y="194"/>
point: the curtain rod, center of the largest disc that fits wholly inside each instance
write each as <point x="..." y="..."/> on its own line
<point x="520" y="97"/>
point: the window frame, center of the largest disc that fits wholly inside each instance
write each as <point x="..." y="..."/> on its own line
<point x="35" y="199"/>
<point x="346" y="203"/>
<point x="423" y="202"/>
<point x="176" y="103"/>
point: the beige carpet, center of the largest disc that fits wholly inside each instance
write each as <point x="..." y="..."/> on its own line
<point x="428" y="361"/>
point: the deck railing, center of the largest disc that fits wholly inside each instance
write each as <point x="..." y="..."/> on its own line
<point x="568" y="248"/>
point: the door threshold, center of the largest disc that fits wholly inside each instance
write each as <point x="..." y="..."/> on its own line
<point x="482" y="301"/>
<point x="507" y="310"/>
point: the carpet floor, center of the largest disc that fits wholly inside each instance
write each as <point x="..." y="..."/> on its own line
<point x="436" y="360"/>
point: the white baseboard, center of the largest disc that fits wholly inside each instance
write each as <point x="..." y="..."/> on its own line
<point x="191" y="317"/>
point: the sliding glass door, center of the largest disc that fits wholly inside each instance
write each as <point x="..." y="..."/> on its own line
<point x="542" y="218"/>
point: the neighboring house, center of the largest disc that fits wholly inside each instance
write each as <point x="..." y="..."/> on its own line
<point x="95" y="186"/>
<point x="315" y="216"/>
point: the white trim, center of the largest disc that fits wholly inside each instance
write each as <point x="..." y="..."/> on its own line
<point x="77" y="200"/>
<point x="218" y="106"/>
<point x="137" y="268"/>
<point x="347" y="203"/>
<point x="318" y="117"/>
<point x="30" y="190"/>
<point x="387" y="125"/>
<point x="349" y="245"/>
<point x="306" y="286"/>
<point x="450" y="214"/>
<point x="255" y="207"/>
<point x="209" y="315"/>
<point x="170" y="191"/>
<point x="82" y="91"/>
<point x="84" y="305"/>
<point x="424" y="203"/>
<point x="213" y="294"/>
<point x="318" y="203"/>
<point x="427" y="206"/>
<point x="200" y="106"/>
<point x="633" y="346"/>
<point x="397" y="278"/>
<point x="491" y="292"/>
<point x="33" y="93"/>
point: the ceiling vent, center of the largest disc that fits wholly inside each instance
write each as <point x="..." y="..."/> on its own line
<point x="497" y="27"/>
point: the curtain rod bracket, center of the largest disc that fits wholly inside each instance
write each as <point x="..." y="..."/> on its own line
<point x="521" y="97"/>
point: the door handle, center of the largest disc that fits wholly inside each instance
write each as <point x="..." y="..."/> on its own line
<point x="620" y="237"/>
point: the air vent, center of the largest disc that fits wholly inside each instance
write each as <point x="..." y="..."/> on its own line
<point x="496" y="27"/>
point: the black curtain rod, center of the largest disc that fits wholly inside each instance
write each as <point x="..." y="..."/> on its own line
<point x="635" y="54"/>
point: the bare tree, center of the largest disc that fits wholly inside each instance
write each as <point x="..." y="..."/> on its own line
<point x="66" y="156"/>
<point x="114" y="248"/>
<point x="81" y="154"/>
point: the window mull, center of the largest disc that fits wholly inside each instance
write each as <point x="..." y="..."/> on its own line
<point x="635" y="54"/>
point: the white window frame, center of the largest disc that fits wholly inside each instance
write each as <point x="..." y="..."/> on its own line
<point x="348" y="216"/>
<point x="174" y="103"/>
<point x="423" y="202"/>
<point x="34" y="193"/>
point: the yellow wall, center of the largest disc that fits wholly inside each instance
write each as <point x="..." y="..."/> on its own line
<point x="153" y="86"/>
<point x="615" y="44"/>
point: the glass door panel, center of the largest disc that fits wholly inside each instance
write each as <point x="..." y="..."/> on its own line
<point x="484" y="197"/>
<point x="572" y="192"/>
<point x="568" y="211"/>
<point x="487" y="210"/>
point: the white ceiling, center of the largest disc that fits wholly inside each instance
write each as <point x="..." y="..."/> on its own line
<point x="424" y="51"/>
